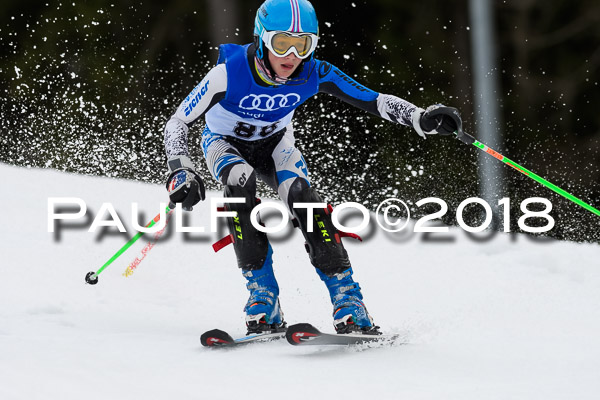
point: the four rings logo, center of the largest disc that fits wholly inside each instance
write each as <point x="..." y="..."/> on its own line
<point x="264" y="102"/>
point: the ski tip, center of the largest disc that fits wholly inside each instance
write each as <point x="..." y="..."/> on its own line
<point x="216" y="337"/>
<point x="298" y="333"/>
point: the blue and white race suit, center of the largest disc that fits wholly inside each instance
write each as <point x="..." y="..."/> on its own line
<point x="248" y="130"/>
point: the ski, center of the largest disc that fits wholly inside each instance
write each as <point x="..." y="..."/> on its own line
<point x="219" y="338"/>
<point x="306" y="334"/>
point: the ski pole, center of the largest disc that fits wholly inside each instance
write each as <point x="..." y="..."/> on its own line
<point x="468" y="139"/>
<point x="92" y="277"/>
<point x="137" y="261"/>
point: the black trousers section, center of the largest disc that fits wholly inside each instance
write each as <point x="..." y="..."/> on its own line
<point x="251" y="245"/>
<point x="258" y="154"/>
<point x="248" y="182"/>
<point x="325" y="247"/>
<point x="295" y="191"/>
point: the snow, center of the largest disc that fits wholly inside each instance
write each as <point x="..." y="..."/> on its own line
<point x="506" y="318"/>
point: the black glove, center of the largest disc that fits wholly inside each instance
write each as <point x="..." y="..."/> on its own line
<point x="184" y="184"/>
<point x="437" y="119"/>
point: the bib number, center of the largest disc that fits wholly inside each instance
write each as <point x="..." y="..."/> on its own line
<point x="246" y="130"/>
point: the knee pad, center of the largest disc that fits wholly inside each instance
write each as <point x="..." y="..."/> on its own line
<point x="323" y="244"/>
<point x="251" y="245"/>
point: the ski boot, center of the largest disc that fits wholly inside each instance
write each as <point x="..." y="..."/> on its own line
<point x="349" y="312"/>
<point x="263" y="312"/>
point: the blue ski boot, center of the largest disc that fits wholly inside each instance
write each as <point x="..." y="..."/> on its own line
<point x="349" y="312"/>
<point x="263" y="312"/>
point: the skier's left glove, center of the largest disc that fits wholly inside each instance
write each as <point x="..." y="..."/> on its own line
<point x="184" y="184"/>
<point x="436" y="119"/>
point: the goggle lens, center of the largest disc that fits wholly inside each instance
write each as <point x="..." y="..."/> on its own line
<point x="282" y="42"/>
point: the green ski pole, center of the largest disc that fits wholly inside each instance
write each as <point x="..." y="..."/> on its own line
<point x="468" y="139"/>
<point x="92" y="277"/>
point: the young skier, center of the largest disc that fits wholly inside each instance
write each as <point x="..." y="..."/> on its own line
<point x="248" y="100"/>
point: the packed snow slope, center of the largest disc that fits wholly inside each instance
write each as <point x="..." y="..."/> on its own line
<point x="504" y="318"/>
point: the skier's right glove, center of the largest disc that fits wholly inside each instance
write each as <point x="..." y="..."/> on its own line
<point x="184" y="184"/>
<point x="436" y="119"/>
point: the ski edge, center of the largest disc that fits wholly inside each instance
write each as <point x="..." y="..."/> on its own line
<point x="305" y="334"/>
<point x="217" y="338"/>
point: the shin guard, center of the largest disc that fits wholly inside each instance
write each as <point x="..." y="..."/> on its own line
<point x="251" y="245"/>
<point x="324" y="244"/>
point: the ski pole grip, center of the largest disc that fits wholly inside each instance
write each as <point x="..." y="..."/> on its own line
<point x="464" y="137"/>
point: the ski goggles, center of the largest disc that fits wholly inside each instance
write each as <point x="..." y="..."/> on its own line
<point x="282" y="44"/>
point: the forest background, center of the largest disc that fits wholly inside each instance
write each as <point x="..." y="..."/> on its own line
<point x="87" y="86"/>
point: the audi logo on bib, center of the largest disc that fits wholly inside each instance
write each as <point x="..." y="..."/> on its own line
<point x="264" y="102"/>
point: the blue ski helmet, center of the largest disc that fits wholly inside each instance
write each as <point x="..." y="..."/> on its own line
<point x="297" y="16"/>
